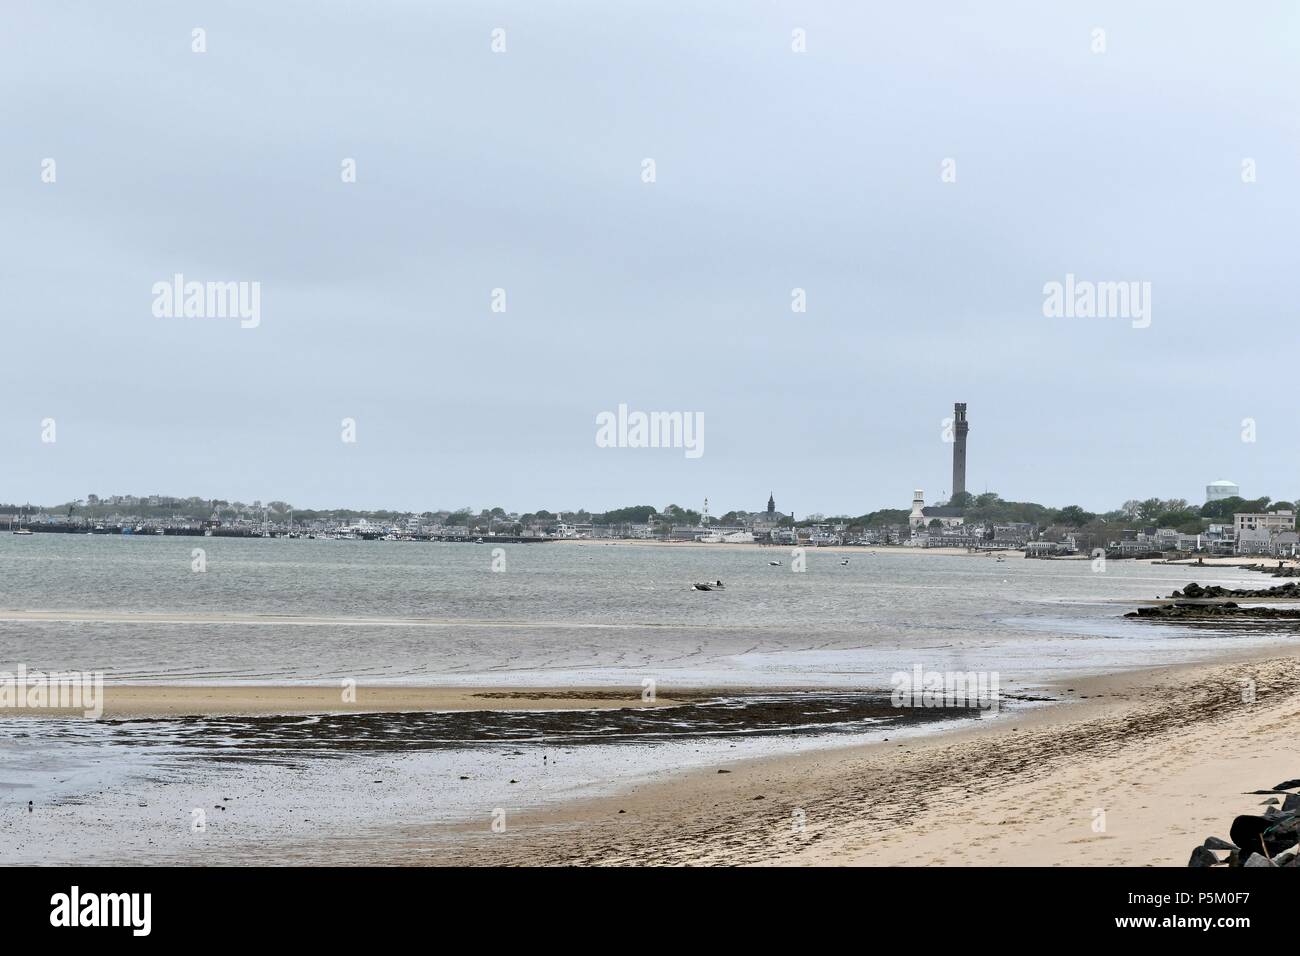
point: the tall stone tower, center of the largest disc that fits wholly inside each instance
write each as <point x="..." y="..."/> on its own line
<point x="959" y="450"/>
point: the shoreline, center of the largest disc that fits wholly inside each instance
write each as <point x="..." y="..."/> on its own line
<point x="1150" y="753"/>
<point x="1165" y="752"/>
<point x="1244" y="562"/>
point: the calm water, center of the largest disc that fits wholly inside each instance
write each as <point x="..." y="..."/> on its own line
<point x="415" y="612"/>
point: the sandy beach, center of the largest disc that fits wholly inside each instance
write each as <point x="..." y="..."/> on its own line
<point x="1126" y="769"/>
<point x="1132" y="769"/>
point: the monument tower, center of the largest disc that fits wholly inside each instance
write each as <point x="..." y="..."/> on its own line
<point x="959" y="450"/>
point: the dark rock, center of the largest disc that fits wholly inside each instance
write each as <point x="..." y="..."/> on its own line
<point x="1202" y="857"/>
<point x="1284" y="823"/>
<point x="1288" y="785"/>
<point x="1214" y="843"/>
<point x="1227" y="609"/>
<point x="1257" y="860"/>
<point x="1256" y="835"/>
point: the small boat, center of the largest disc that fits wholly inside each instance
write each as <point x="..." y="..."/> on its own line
<point x="22" y="531"/>
<point x="844" y="563"/>
<point x="774" y="564"/>
<point x="701" y="587"/>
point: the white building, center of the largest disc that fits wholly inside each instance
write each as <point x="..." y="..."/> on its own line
<point x="1216" y="490"/>
<point x="917" y="518"/>
<point x="1270" y="533"/>
<point x="1272" y="521"/>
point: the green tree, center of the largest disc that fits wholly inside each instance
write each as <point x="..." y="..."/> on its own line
<point x="1074" y="516"/>
<point x="635" y="514"/>
<point x="1150" y="509"/>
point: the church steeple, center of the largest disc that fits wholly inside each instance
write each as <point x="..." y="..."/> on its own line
<point x="771" y="504"/>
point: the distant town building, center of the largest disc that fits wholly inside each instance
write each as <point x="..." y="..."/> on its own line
<point x="1268" y="533"/>
<point x="1271" y="521"/>
<point x="917" y="518"/>
<point x="1217" y="490"/>
<point x="762" y="525"/>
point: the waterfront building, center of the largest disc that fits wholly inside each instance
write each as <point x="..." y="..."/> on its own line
<point x="1270" y="521"/>
<point x="1268" y="533"/>
<point x="917" y="518"/>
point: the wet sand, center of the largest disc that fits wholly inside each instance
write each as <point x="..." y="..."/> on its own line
<point x="1135" y="770"/>
<point x="1160" y="758"/>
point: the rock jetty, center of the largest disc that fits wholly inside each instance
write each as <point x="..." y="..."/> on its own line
<point x="1189" y="603"/>
<point x="1194" y="591"/>
<point x="1228" y="609"/>
<point x="1271" y="839"/>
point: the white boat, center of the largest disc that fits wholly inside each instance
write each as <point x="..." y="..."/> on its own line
<point x="22" y="531"/>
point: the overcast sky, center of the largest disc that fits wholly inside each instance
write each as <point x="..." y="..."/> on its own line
<point x="523" y="170"/>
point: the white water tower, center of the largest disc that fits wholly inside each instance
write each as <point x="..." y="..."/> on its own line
<point x="1216" y="490"/>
